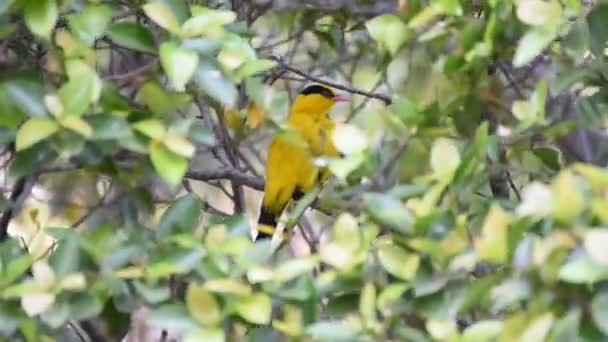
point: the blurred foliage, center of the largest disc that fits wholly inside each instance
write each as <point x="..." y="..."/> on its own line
<point x="132" y="135"/>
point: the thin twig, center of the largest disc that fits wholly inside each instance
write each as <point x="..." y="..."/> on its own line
<point x="282" y="65"/>
<point x="132" y="73"/>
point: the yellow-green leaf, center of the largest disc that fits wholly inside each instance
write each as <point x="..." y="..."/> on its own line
<point x="178" y="63"/>
<point x="568" y="201"/>
<point x="78" y="125"/>
<point x="202" y="305"/>
<point x="179" y="145"/>
<point x="41" y="16"/>
<point x="153" y="128"/>
<point x="398" y="262"/>
<point x="170" y="166"/>
<point x="255" y="308"/>
<point x="492" y="245"/>
<point x="162" y="15"/>
<point x="33" y="131"/>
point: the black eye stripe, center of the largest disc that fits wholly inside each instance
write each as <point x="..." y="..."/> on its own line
<point x="318" y="89"/>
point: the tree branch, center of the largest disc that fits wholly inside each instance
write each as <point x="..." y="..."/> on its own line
<point x="282" y="65"/>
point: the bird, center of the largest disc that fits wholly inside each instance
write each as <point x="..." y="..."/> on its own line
<point x="290" y="168"/>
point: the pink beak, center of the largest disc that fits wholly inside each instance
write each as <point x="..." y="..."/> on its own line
<point x="341" y="98"/>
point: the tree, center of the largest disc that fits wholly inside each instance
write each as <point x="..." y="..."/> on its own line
<point x="468" y="206"/>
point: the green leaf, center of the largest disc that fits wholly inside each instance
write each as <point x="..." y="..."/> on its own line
<point x="33" y="131"/>
<point x="389" y="31"/>
<point x="445" y="158"/>
<point x="41" y="16"/>
<point x="538" y="329"/>
<point x="78" y="125"/>
<point x="205" y="335"/>
<point x="228" y="286"/>
<point x="599" y="311"/>
<point x="27" y="94"/>
<point x="179" y="64"/>
<point x="582" y="269"/>
<point x="170" y="166"/>
<point x="482" y="331"/>
<point x="202" y="305"/>
<point x="331" y="331"/>
<point x="109" y="127"/>
<point x="203" y="46"/>
<point x="255" y="308"/>
<point x="82" y="89"/>
<point x="172" y="316"/>
<point x="532" y="44"/>
<point x="181" y="216"/>
<point x="539" y="12"/>
<point x="152" y="128"/>
<point x="91" y="23"/>
<point x="492" y="245"/>
<point x="567" y="328"/>
<point x="84" y="306"/>
<point x="66" y="258"/>
<point x="162" y="15"/>
<point x="132" y="36"/>
<point x="398" y="262"/>
<point x="349" y="139"/>
<point x="597" y="27"/>
<point x="389" y="211"/>
<point x="206" y="21"/>
<point x="567" y="197"/>
<point x="253" y="67"/>
<point x="213" y="82"/>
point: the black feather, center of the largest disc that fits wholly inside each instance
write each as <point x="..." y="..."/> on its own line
<point x="319" y="90"/>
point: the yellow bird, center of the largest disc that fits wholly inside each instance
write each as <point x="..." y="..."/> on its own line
<point x="290" y="171"/>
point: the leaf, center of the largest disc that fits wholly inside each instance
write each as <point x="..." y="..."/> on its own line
<point x="389" y="211"/>
<point x="170" y="166"/>
<point x="78" y="125"/>
<point x="41" y="16"/>
<point x="349" y="139"/>
<point x="33" y="131"/>
<point x="228" y="286"/>
<point x="91" y="23"/>
<point x="532" y="44"/>
<point x="599" y="311"/>
<point x="179" y="64"/>
<point x="82" y="89"/>
<point x="597" y="27"/>
<point x="568" y="199"/>
<point x="389" y="31"/>
<point x="537" y="201"/>
<point x="132" y="36"/>
<point x="582" y="269"/>
<point x="172" y="316"/>
<point x="66" y="258"/>
<point x="482" y="331"/>
<point x="202" y="46"/>
<point x="109" y="127"/>
<point x="162" y="15"/>
<point x="331" y="331"/>
<point x="595" y="241"/>
<point x="398" y="262"/>
<point x="445" y="158"/>
<point x="539" y="12"/>
<point x="181" y="216"/>
<point x="567" y="328"/>
<point x="202" y="305"/>
<point x="538" y="329"/>
<point x="207" y="21"/>
<point x="492" y="245"/>
<point x="37" y="303"/>
<point x="179" y="145"/>
<point x="27" y="94"/>
<point x="254" y="67"/>
<point x="255" y="308"/>
<point x="213" y="82"/>
<point x="205" y="335"/>
<point x="152" y="128"/>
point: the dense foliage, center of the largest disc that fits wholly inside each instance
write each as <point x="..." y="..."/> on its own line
<point x="469" y="204"/>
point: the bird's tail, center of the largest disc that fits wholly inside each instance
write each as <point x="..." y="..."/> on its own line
<point x="267" y="223"/>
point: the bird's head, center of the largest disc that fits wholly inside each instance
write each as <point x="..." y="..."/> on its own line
<point x="316" y="99"/>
